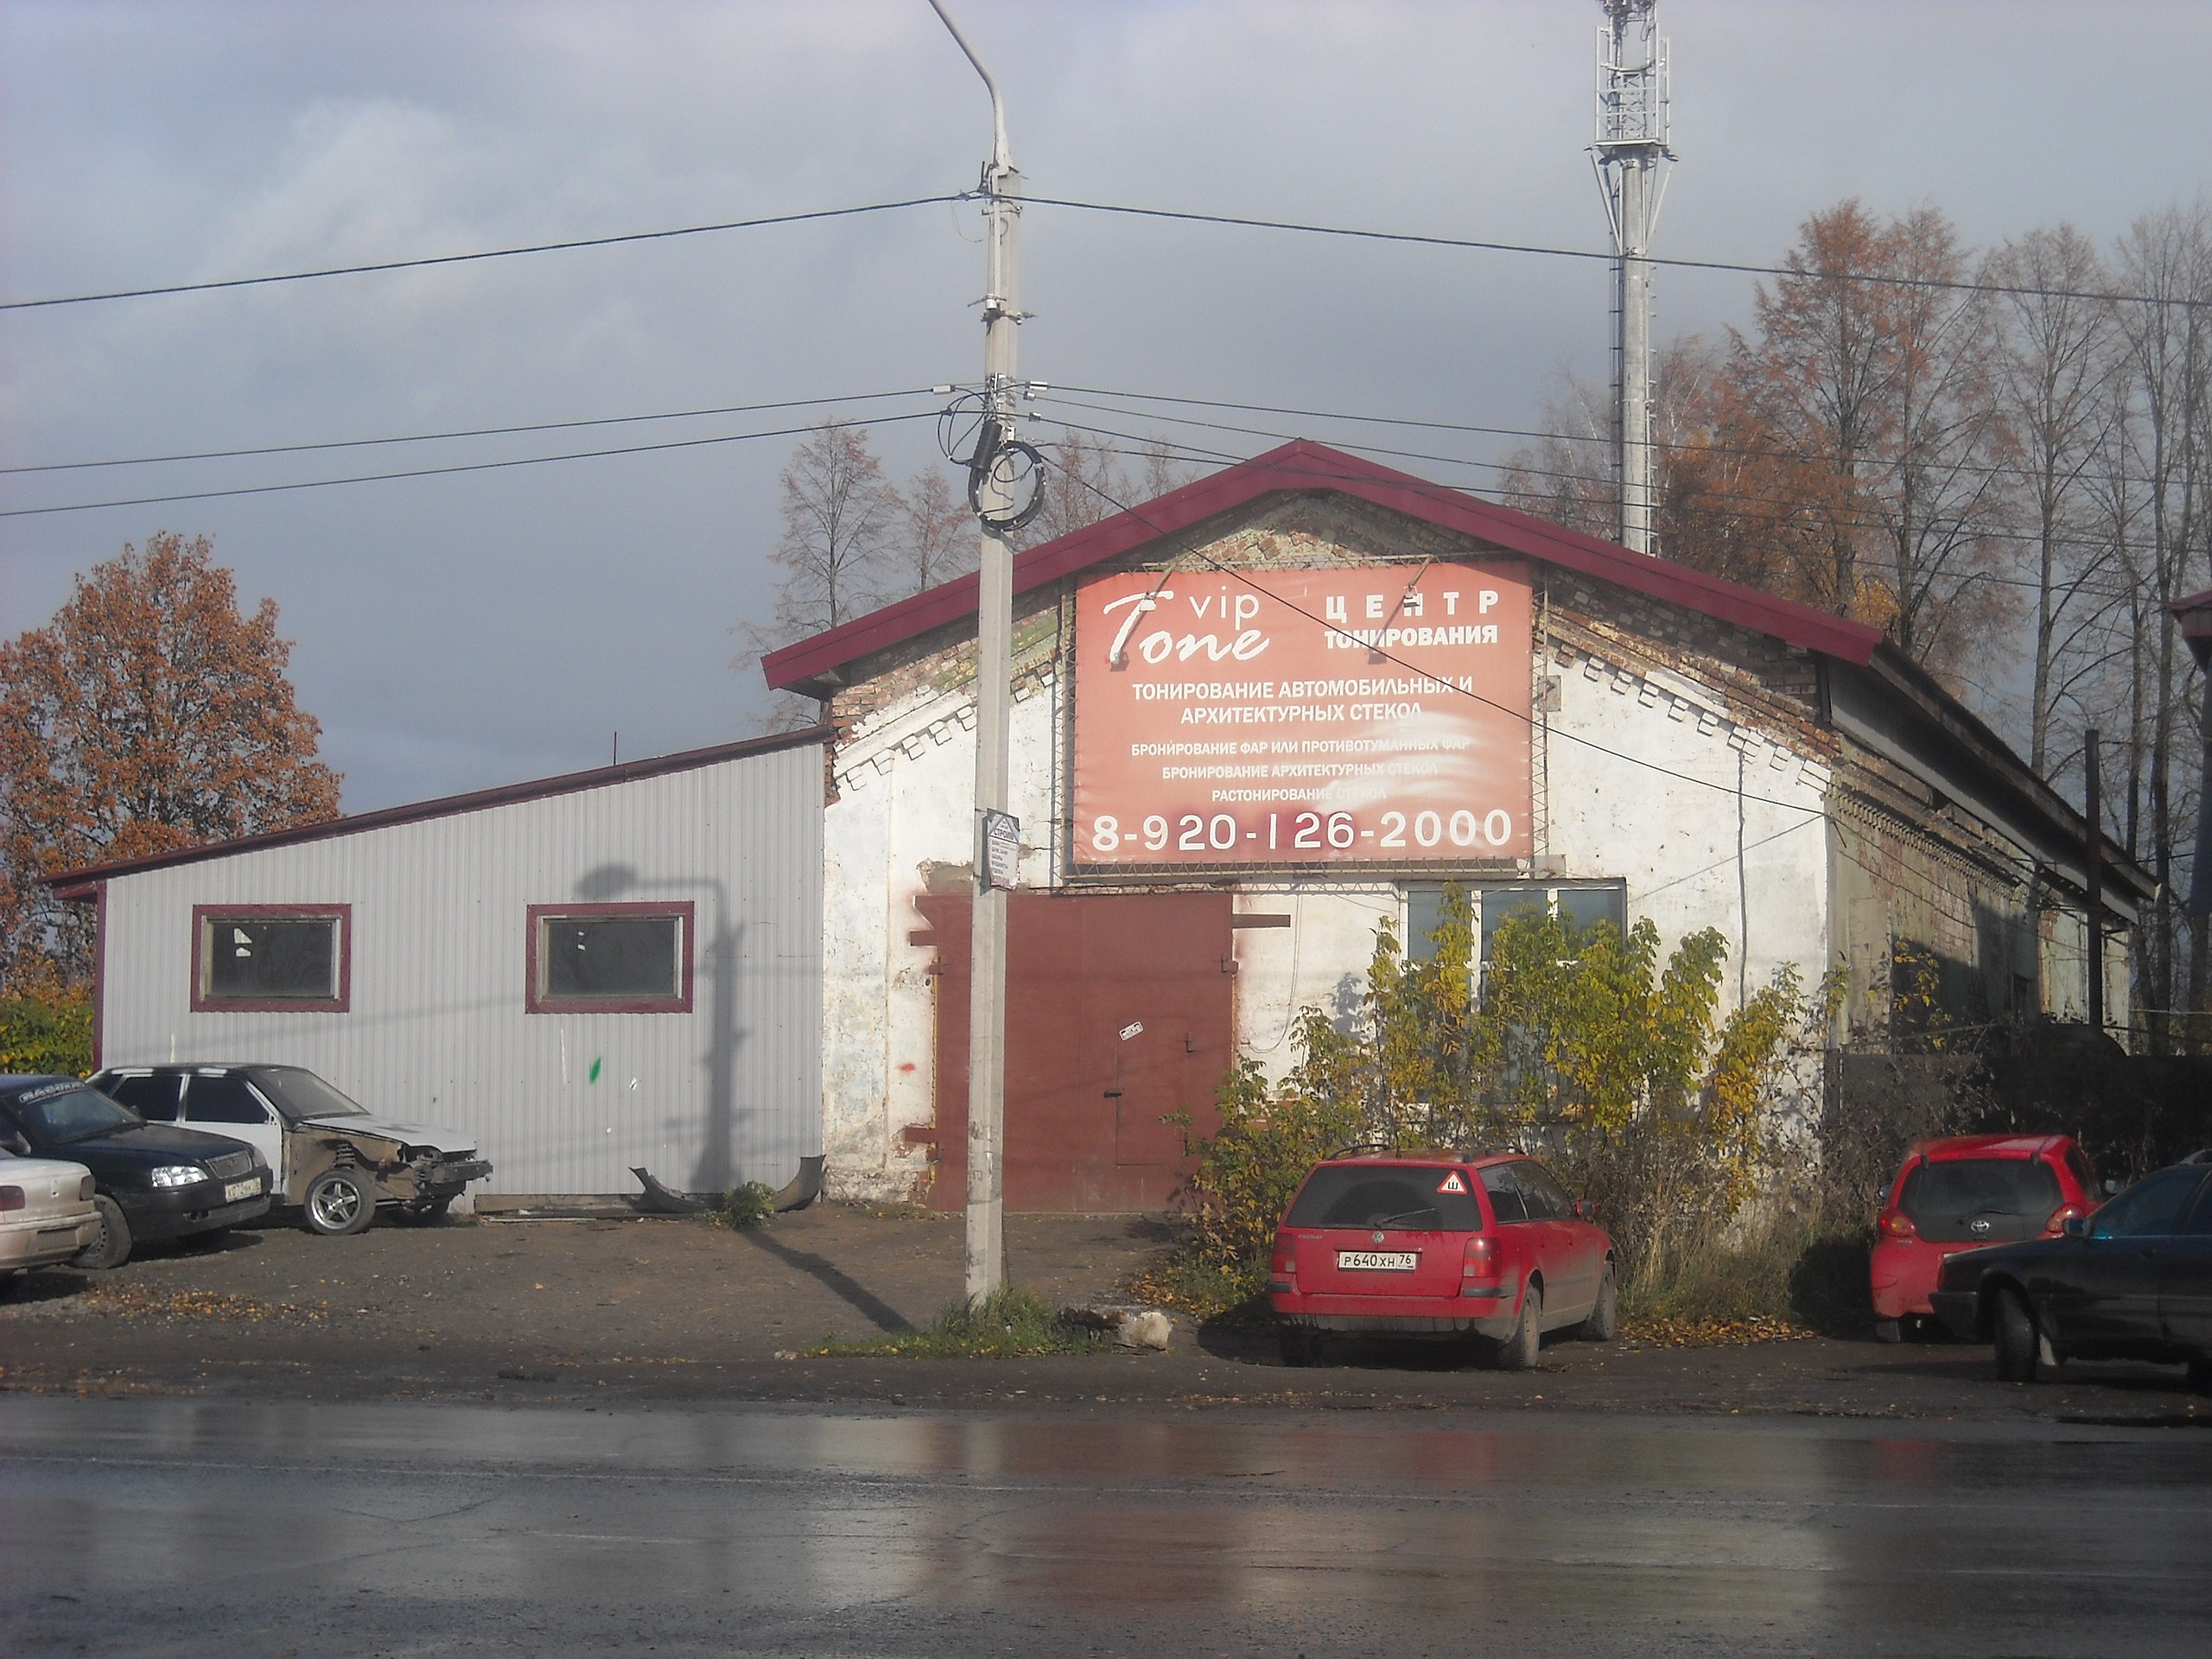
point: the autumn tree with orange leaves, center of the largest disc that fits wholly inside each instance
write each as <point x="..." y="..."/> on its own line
<point x="149" y="715"/>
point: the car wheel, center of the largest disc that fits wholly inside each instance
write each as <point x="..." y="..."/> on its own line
<point x="113" y="1247"/>
<point x="2020" y="1346"/>
<point x="340" y="1203"/>
<point x="1889" y="1330"/>
<point x="1518" y="1352"/>
<point x="426" y="1215"/>
<point x="1603" y="1323"/>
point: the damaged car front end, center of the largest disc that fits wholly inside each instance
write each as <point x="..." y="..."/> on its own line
<point x="336" y="1160"/>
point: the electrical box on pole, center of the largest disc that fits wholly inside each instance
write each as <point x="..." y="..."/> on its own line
<point x="1630" y="157"/>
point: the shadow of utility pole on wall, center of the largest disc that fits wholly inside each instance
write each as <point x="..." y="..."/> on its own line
<point x="718" y="966"/>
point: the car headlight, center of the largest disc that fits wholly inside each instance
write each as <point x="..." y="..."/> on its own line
<point x="179" y="1175"/>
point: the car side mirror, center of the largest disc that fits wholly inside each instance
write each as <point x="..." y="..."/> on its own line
<point x="1585" y="1210"/>
<point x="2076" y="1226"/>
<point x="15" y="1143"/>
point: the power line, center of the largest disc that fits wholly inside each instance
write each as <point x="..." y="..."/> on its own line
<point x="568" y="245"/>
<point x="440" y="472"/>
<point x="1735" y="267"/>
<point x="1053" y="395"/>
<point x="467" y="432"/>
<point x="1686" y="447"/>
<point x="1128" y="210"/>
<point x="1227" y="457"/>
<point x="1874" y="525"/>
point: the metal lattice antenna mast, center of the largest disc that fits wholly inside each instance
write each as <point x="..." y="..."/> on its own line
<point x="1631" y="156"/>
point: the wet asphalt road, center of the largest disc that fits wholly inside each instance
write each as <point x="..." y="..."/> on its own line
<point x="232" y="1527"/>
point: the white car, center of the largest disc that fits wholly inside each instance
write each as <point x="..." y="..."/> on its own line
<point x="46" y="1213"/>
<point x="330" y="1155"/>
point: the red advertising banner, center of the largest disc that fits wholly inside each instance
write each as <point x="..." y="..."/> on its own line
<point x="1374" y="714"/>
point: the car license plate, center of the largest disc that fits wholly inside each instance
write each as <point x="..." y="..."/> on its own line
<point x="1382" y="1261"/>
<point x="239" y="1191"/>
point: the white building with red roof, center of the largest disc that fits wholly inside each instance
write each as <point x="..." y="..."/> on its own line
<point x="1262" y="714"/>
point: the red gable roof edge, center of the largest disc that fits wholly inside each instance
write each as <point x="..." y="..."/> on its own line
<point x="1304" y="467"/>
<point x="78" y="885"/>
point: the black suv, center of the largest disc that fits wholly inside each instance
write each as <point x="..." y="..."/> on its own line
<point x="152" y="1182"/>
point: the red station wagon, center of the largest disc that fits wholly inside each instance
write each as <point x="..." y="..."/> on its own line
<point x="1960" y="1193"/>
<point x="1413" y="1244"/>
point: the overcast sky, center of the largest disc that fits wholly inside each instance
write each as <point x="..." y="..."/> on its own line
<point x="457" y="632"/>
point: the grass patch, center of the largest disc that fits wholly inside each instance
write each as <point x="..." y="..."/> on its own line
<point x="902" y="1210"/>
<point x="1786" y="1277"/>
<point x="1013" y="1324"/>
<point x="753" y="1204"/>
<point x="1235" y="1295"/>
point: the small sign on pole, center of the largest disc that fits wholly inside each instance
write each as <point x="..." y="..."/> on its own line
<point x="1001" y="850"/>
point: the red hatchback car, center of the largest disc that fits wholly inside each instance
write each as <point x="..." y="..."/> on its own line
<point x="1413" y="1244"/>
<point x="1961" y="1193"/>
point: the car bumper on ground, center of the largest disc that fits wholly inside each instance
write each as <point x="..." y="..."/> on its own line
<point x="41" y="1242"/>
<point x="1959" y="1310"/>
<point x="155" y="1217"/>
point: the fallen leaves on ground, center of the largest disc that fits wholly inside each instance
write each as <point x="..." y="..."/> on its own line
<point x="1709" y="1331"/>
<point x="144" y="1302"/>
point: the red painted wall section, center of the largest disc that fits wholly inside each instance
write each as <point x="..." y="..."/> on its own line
<point x="1119" y="1009"/>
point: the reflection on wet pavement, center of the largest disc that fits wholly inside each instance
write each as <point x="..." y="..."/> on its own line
<point x="768" y="1531"/>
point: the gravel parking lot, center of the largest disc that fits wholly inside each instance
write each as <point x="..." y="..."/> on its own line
<point x="643" y="1309"/>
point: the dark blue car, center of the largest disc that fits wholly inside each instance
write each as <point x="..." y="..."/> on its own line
<point x="2132" y="1281"/>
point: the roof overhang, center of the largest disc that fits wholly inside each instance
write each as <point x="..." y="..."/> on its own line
<point x="81" y="885"/>
<point x="1895" y="707"/>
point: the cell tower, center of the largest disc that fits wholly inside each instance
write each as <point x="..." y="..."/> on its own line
<point x="1630" y="157"/>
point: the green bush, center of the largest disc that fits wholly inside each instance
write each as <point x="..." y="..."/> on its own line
<point x="753" y="1204"/>
<point x="1586" y="1046"/>
<point x="46" y="1032"/>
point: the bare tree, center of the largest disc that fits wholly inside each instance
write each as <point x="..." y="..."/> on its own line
<point x="938" y="533"/>
<point x="1936" y="492"/>
<point x="1084" y="482"/>
<point x="841" y="521"/>
<point x="2056" y="371"/>
<point x="2165" y="259"/>
<point x="1566" y="475"/>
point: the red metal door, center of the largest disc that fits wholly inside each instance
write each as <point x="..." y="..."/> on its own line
<point x="1118" y="1012"/>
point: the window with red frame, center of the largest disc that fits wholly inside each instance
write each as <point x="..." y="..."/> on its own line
<point x="610" y="959"/>
<point x="271" y="958"/>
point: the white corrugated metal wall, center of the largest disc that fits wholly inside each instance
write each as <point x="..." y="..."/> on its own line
<point x="560" y="1103"/>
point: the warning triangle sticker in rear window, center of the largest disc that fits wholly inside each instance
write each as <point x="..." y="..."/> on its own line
<point x="1453" y="1184"/>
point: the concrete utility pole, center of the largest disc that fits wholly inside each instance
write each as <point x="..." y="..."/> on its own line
<point x="1630" y="157"/>
<point x="990" y="492"/>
